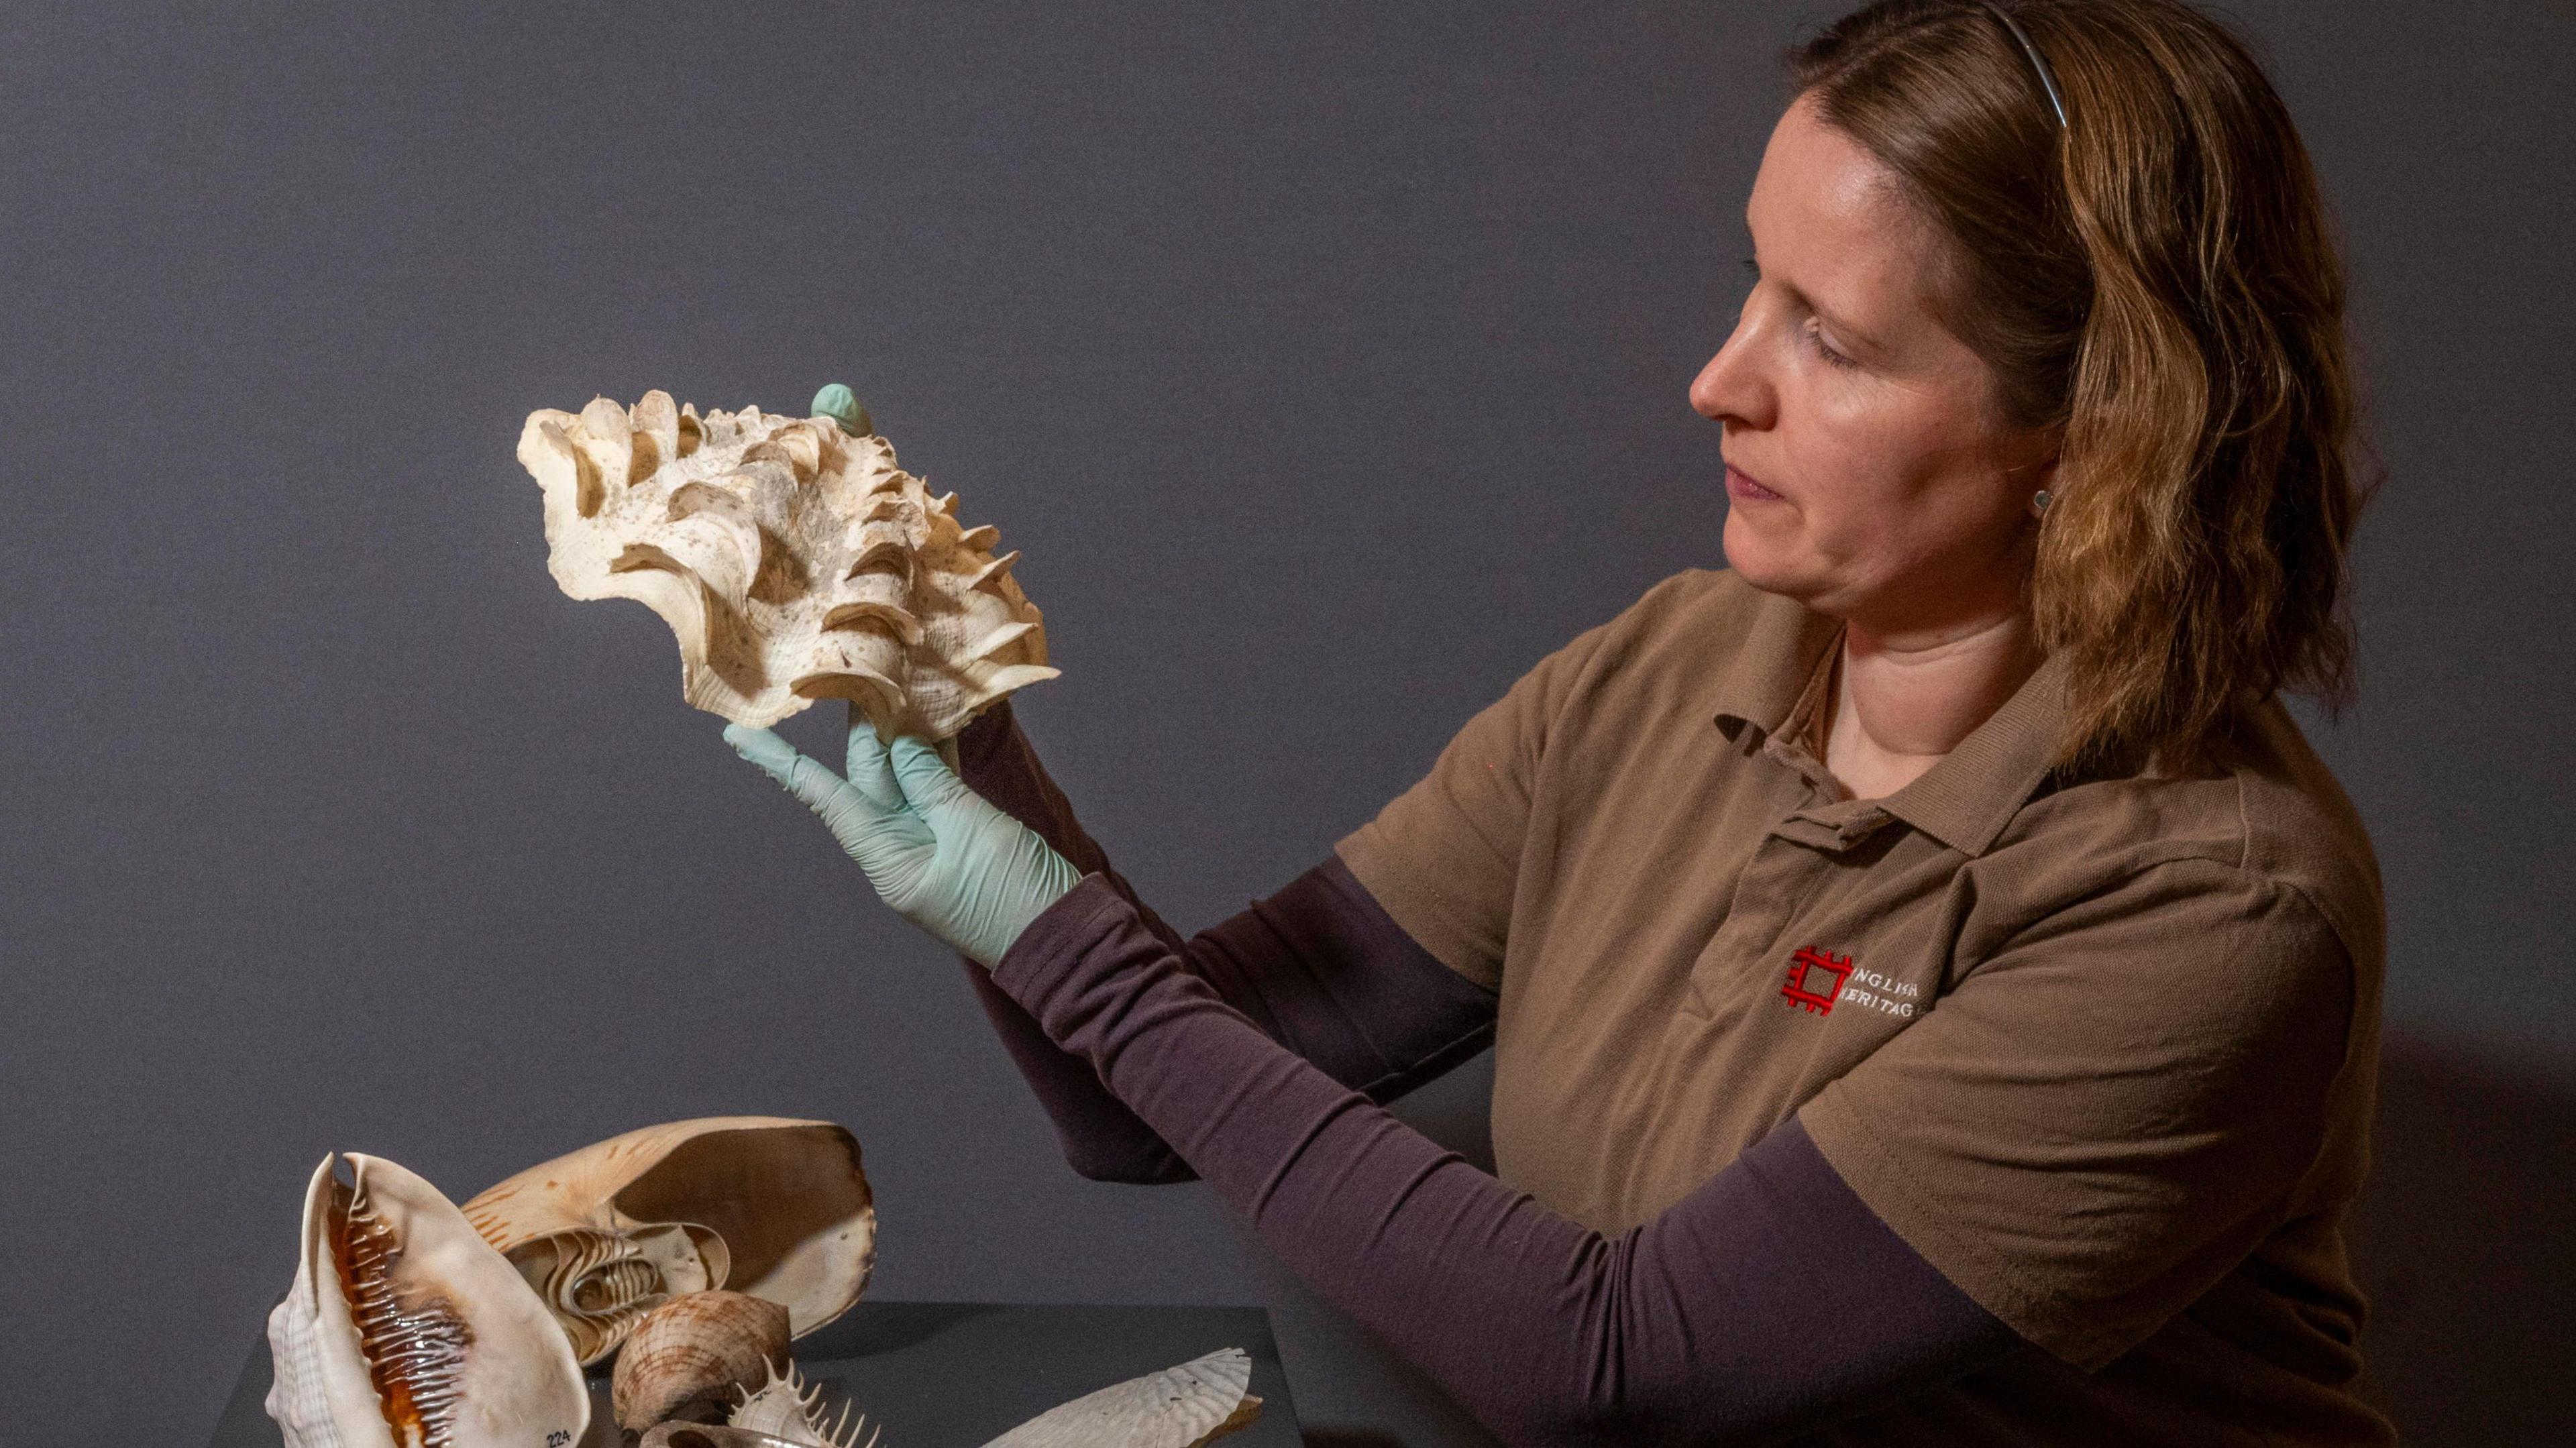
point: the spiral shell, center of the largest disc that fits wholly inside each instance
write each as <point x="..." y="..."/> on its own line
<point x="793" y="561"/>
<point x="693" y="1355"/>
<point x="763" y="1205"/>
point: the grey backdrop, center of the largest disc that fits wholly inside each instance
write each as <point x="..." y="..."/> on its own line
<point x="1328" y="362"/>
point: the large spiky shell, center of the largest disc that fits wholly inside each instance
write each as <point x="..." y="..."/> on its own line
<point x="1178" y="1407"/>
<point x="404" y="1329"/>
<point x="764" y="1205"/>
<point x="695" y="1356"/>
<point x="794" y="561"/>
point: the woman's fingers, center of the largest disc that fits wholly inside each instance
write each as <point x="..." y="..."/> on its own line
<point x="886" y="839"/>
<point x="928" y="783"/>
<point x="824" y="792"/>
<point x="836" y="402"/>
<point x="776" y="757"/>
<point x="871" y="772"/>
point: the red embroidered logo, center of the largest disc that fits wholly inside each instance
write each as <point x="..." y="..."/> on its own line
<point x="1815" y="978"/>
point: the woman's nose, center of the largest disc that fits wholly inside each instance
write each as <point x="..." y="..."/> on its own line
<point x="1730" y="388"/>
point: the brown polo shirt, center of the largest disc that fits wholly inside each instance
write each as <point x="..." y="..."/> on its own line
<point x="2101" y="1049"/>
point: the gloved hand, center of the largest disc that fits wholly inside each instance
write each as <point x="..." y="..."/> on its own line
<point x="943" y="857"/>
<point x="937" y="852"/>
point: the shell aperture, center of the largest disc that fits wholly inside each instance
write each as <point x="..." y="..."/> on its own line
<point x="768" y="1206"/>
<point x="404" y="1329"/>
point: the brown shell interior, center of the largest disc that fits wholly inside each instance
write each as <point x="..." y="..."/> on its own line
<point x="770" y="1192"/>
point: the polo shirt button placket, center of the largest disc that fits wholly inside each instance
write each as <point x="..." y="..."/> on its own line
<point x="1750" y="951"/>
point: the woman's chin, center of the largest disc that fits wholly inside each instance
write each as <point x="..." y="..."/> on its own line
<point x="1759" y="559"/>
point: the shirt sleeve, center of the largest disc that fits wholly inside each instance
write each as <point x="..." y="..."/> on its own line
<point x="1711" y="1324"/>
<point x="1318" y="966"/>
<point x="1443" y="856"/>
<point x="2104" y="1118"/>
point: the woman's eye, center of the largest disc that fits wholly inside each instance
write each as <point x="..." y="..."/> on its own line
<point x="1816" y="339"/>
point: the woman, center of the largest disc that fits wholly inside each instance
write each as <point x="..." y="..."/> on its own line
<point x="1934" y="987"/>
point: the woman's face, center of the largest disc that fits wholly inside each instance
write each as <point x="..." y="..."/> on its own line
<point x="1869" y="470"/>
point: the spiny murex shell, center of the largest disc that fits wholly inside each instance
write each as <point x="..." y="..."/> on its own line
<point x="405" y="1329"/>
<point x="696" y="1355"/>
<point x="794" y="561"/>
<point x="786" y="1409"/>
<point x="764" y="1205"/>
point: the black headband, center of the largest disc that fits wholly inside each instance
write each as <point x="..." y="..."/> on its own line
<point x="2047" y="81"/>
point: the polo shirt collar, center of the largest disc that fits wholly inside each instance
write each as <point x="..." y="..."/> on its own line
<point x="1966" y="799"/>
<point x="1779" y="654"/>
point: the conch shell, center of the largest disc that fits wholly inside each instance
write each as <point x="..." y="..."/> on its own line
<point x="406" y="1330"/>
<point x="794" y="561"/>
<point x="695" y="1355"/>
<point x="763" y="1205"/>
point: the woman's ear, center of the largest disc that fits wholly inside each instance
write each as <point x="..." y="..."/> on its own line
<point x="2048" y="444"/>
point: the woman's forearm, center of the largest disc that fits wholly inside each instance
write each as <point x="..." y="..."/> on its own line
<point x="1319" y="966"/>
<point x="1101" y="1138"/>
<point x="995" y="760"/>
<point x="1704" y="1323"/>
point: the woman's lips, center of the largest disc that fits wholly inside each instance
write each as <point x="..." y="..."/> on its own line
<point x="1744" y="490"/>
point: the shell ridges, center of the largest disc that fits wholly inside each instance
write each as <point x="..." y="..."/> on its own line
<point x="773" y="547"/>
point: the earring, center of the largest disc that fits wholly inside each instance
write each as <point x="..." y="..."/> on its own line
<point x="2040" y="500"/>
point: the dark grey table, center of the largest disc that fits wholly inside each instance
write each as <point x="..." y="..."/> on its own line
<point x="953" y="1374"/>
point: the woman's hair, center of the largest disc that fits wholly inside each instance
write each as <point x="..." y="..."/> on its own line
<point x="2156" y="277"/>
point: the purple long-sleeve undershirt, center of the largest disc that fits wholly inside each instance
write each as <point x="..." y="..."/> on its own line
<point x="1711" y="1323"/>
<point x="1260" y="1049"/>
<point x="1318" y="966"/>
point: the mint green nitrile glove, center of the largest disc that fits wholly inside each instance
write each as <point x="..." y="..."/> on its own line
<point x="943" y="857"/>
<point x="837" y="402"/>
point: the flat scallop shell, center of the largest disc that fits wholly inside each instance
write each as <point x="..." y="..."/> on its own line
<point x="1178" y="1407"/>
<point x="765" y="1205"/>
<point x="794" y="562"/>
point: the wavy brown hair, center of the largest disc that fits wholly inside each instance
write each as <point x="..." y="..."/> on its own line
<point x="2158" y="279"/>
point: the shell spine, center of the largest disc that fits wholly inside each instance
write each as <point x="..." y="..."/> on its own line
<point x="788" y="1408"/>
